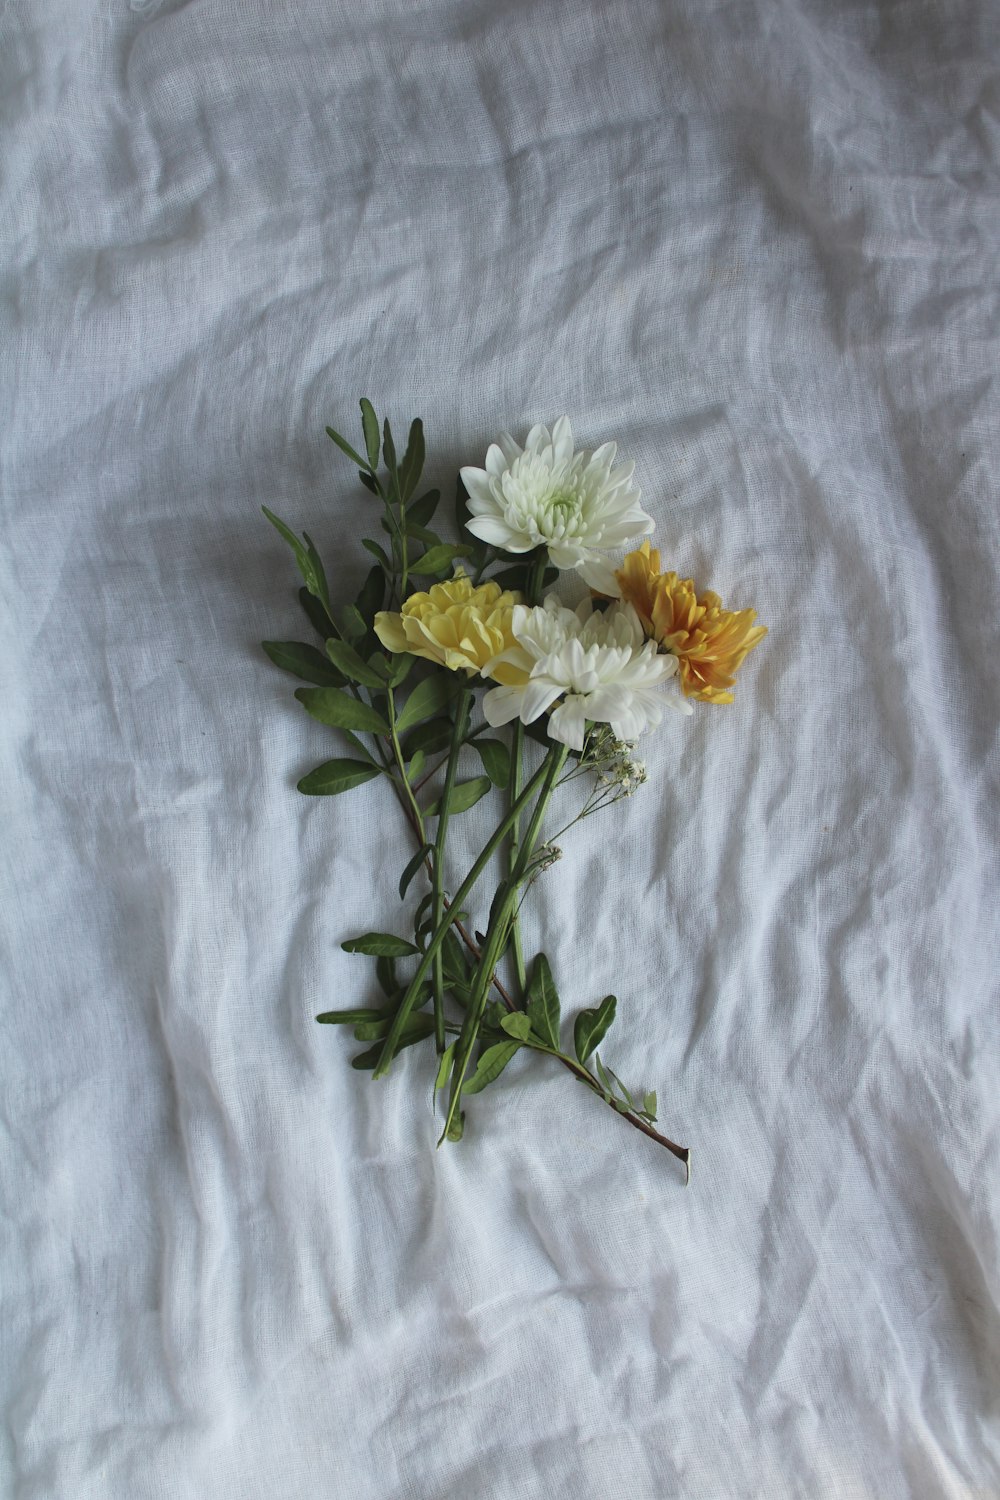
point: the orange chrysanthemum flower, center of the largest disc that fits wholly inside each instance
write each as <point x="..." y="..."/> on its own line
<point x="710" y="642"/>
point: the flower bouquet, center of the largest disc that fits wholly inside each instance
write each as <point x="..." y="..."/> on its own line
<point x="416" y="676"/>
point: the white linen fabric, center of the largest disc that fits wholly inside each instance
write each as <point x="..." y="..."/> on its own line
<point x="756" y="243"/>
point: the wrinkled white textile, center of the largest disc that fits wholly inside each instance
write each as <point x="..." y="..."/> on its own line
<point x="758" y="244"/>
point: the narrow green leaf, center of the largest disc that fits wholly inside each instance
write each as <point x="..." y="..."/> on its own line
<point x="490" y="1066"/>
<point x="319" y="587"/>
<point x="348" y="1017"/>
<point x="303" y="661"/>
<point x="602" y="1073"/>
<point x="457" y="1127"/>
<point x="385" y="973"/>
<point x="362" y="750"/>
<point x="427" y="698"/>
<point x="368" y="482"/>
<point x="421" y="511"/>
<point x="464" y="794"/>
<point x="438" y="559"/>
<point x="543" y="1002"/>
<point x="495" y="757"/>
<point x="302" y="557"/>
<point x="415" y="767"/>
<point x="345" y="447"/>
<point x="422" y="533"/>
<point x="444" y="1068"/>
<point x="413" y="461"/>
<point x="591" y="1025"/>
<point x="316" y="615"/>
<point x="365" y="1061"/>
<point x="389" y="450"/>
<point x="379" y="552"/>
<point x="336" y="776"/>
<point x="623" y="1091"/>
<point x="371" y="595"/>
<point x="414" y="865"/>
<point x="369" y="423"/>
<point x="379" y="945"/>
<point x="347" y="661"/>
<point x="516" y="1024"/>
<point x="649" y="1104"/>
<point x="340" y="710"/>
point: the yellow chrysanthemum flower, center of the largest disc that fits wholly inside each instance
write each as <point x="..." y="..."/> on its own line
<point x="710" y="642"/>
<point x="455" y="624"/>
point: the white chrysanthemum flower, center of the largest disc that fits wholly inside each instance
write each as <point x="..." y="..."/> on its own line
<point x="590" y="664"/>
<point x="574" y="504"/>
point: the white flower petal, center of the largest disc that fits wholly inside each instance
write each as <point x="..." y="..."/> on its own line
<point x="491" y="529"/>
<point x="477" y="482"/>
<point x="501" y="705"/>
<point x="562" y="440"/>
<point x="536" y="696"/>
<point x="568" y="722"/>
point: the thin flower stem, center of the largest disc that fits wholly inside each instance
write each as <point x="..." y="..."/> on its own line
<point x="535" y="577"/>
<point x="498" y="931"/>
<point x="462" y="709"/>
<point x="418" y="818"/>
<point x="410" y="997"/>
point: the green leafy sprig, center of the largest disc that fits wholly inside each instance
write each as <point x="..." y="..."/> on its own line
<point x="413" y="725"/>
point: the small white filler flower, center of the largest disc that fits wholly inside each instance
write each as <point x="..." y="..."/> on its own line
<point x="575" y="504"/>
<point x="597" y="663"/>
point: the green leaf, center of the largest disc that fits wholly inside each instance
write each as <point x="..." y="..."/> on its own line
<point x="389" y="450"/>
<point x="352" y="625"/>
<point x="369" y="423"/>
<point x="316" y="564"/>
<point x="495" y="757"/>
<point x="623" y="1091"/>
<point x="427" y="698"/>
<point x="602" y="1073"/>
<point x="335" y="776"/>
<point x="347" y="661"/>
<point x="543" y="1002"/>
<point x="340" y="710"/>
<point x="348" y="1017"/>
<point x="379" y="552"/>
<point x="422" y="533"/>
<point x="438" y="559"/>
<point x="315" y="582"/>
<point x="368" y="482"/>
<point x="516" y="1024"/>
<point x="649" y="1104"/>
<point x="517" y="577"/>
<point x="490" y="1066"/>
<point x="415" y="767"/>
<point x="402" y="665"/>
<point x="416" y="1028"/>
<point x="316" y="615"/>
<point x="371" y="595"/>
<point x="457" y="1127"/>
<point x="345" y="447"/>
<point x="413" y="461"/>
<point x="591" y="1025"/>
<point x="385" y="973"/>
<point x="379" y="945"/>
<point x="303" y="661"/>
<point x="453" y="959"/>
<point x="362" y="750"/>
<point x="444" y="1067"/>
<point x="430" y="737"/>
<point x="464" y="794"/>
<point x="421" y="511"/>
<point x="412" y="868"/>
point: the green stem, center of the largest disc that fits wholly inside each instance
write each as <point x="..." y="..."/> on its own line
<point x="409" y="999"/>
<point x="459" y="727"/>
<point x="397" y="751"/>
<point x="516" y="755"/>
<point x="496" y="936"/>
